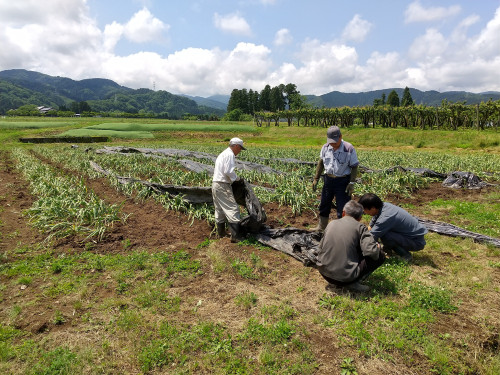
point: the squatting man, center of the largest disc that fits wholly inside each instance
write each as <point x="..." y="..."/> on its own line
<point x="225" y="204"/>
<point x="348" y="253"/>
<point x="398" y="230"/>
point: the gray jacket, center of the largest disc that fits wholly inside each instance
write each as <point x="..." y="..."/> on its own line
<point x="345" y="242"/>
<point x="392" y="218"/>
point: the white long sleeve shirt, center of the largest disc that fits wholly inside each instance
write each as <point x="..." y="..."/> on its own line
<point x="224" y="167"/>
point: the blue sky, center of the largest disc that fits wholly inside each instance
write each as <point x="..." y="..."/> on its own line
<point x="208" y="47"/>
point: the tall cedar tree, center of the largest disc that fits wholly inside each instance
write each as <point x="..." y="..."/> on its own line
<point x="393" y="99"/>
<point x="273" y="99"/>
<point x="406" y="100"/>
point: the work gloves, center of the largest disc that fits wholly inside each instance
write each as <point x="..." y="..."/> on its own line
<point x="350" y="188"/>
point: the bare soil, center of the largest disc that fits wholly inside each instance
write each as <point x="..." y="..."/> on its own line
<point x="150" y="227"/>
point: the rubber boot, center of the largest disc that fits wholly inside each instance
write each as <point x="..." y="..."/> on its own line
<point x="322" y="223"/>
<point x="235" y="230"/>
<point x="221" y="230"/>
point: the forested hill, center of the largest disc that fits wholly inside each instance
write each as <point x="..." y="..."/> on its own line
<point x="19" y="87"/>
<point x="429" y="98"/>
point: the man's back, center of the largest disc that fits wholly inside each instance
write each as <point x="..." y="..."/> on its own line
<point x="344" y="243"/>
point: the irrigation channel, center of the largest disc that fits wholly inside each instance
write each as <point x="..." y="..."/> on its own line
<point x="298" y="243"/>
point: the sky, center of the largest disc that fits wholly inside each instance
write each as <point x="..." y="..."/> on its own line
<point x="209" y="47"/>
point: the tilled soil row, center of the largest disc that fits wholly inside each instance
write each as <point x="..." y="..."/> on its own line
<point x="148" y="225"/>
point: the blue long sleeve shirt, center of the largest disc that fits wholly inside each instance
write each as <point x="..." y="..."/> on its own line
<point x="392" y="218"/>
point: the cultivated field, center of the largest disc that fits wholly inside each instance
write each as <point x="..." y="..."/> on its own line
<point x="97" y="277"/>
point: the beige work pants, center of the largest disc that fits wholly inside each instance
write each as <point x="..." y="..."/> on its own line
<point x="224" y="202"/>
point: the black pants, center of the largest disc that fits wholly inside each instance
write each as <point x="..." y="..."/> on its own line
<point x="366" y="267"/>
<point x="391" y="240"/>
<point x="334" y="188"/>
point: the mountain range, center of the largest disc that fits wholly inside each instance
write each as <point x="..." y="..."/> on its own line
<point x="19" y="87"/>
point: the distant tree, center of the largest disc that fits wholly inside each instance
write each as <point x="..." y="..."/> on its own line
<point x="232" y="104"/>
<point x="233" y="115"/>
<point x="238" y="100"/>
<point x="265" y="99"/>
<point x="393" y="99"/>
<point x="253" y="101"/>
<point x="243" y="101"/>
<point x="84" y="107"/>
<point x="74" y="107"/>
<point x="273" y="99"/>
<point x="406" y="100"/>
<point x="293" y="97"/>
<point x="377" y="102"/>
<point x="25" y="110"/>
<point x="277" y="100"/>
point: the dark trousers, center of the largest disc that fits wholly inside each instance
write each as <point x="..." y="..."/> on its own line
<point x="392" y="240"/>
<point x="334" y="188"/>
<point x="366" y="267"/>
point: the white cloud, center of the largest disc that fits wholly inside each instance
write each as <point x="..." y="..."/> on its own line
<point x="429" y="47"/>
<point x="18" y="13"/>
<point x="487" y="45"/>
<point x="194" y="71"/>
<point x="324" y="66"/>
<point x="283" y="37"/>
<point x="144" y="27"/>
<point x="417" y="13"/>
<point x="357" y="29"/>
<point x="232" y="23"/>
<point x="460" y="32"/>
<point x="112" y="35"/>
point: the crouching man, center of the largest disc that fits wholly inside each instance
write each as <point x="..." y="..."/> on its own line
<point x="395" y="227"/>
<point x="348" y="253"/>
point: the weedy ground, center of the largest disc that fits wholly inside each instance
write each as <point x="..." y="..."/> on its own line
<point x="158" y="293"/>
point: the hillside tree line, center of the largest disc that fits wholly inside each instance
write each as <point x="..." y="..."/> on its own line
<point x="245" y="103"/>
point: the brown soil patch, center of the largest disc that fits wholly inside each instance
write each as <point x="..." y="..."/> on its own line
<point x="14" y="199"/>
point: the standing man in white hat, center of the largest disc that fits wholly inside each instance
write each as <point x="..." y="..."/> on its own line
<point x="226" y="207"/>
<point x="339" y="161"/>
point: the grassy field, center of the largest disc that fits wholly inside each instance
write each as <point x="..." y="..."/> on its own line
<point x="282" y="136"/>
<point x="100" y="279"/>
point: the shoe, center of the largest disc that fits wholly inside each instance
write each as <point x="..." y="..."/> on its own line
<point x="387" y="250"/>
<point x="403" y="254"/>
<point x="332" y="288"/>
<point x="357" y="287"/>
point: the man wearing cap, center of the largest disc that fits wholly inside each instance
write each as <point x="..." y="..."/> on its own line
<point x="339" y="161"/>
<point x="226" y="207"/>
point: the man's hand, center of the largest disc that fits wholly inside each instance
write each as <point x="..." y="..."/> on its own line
<point x="315" y="184"/>
<point x="350" y="188"/>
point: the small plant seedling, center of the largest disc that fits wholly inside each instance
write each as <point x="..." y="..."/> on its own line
<point x="59" y="318"/>
<point x="348" y="367"/>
